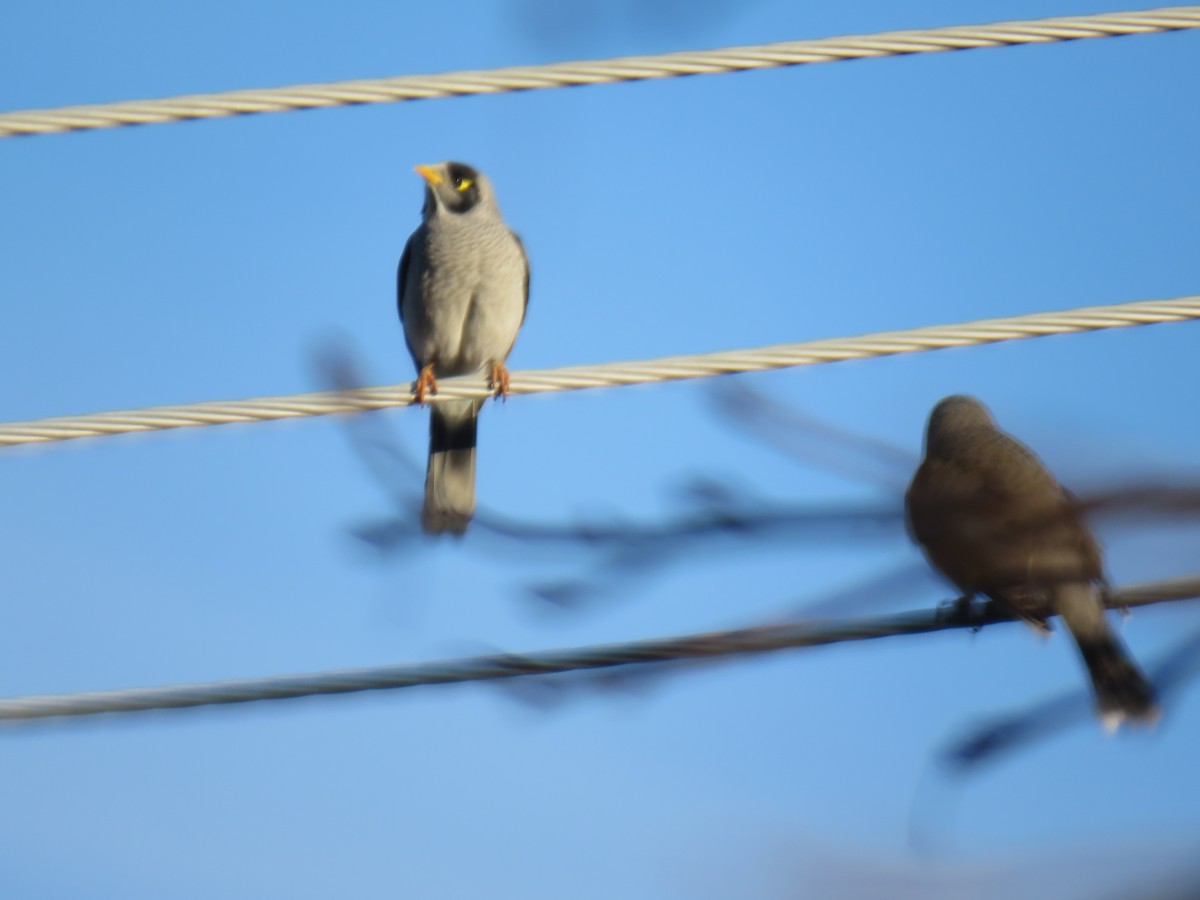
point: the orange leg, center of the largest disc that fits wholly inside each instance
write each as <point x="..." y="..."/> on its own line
<point x="426" y="384"/>
<point x="499" y="380"/>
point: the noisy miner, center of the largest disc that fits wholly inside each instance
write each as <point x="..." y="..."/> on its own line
<point x="462" y="289"/>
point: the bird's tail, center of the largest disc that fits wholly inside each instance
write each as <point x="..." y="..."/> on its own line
<point x="450" y="478"/>
<point x="1122" y="691"/>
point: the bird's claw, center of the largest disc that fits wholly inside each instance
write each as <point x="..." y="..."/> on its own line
<point x="498" y="381"/>
<point x="426" y="385"/>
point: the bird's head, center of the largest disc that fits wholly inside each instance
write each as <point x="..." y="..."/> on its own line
<point x="455" y="188"/>
<point x="954" y="419"/>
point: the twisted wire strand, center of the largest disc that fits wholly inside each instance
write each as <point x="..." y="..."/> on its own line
<point x="715" y="644"/>
<point x="632" y="68"/>
<point x="671" y="368"/>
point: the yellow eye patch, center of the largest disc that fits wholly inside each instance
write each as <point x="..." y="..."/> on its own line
<point x="463" y="185"/>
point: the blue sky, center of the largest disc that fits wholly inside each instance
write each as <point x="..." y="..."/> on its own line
<point x="214" y="260"/>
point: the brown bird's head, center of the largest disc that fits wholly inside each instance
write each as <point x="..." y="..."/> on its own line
<point x="954" y="420"/>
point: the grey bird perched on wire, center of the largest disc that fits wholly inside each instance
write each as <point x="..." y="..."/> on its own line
<point x="462" y="289"/>
<point x="994" y="521"/>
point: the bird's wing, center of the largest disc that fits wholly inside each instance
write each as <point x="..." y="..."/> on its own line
<point x="525" y="262"/>
<point x="401" y="284"/>
<point x="402" y="275"/>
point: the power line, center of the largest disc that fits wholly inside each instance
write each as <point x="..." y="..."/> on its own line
<point x="671" y="368"/>
<point x="712" y="645"/>
<point x="571" y="74"/>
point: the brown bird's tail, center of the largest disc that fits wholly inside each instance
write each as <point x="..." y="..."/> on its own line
<point x="1122" y="691"/>
<point x="450" y="477"/>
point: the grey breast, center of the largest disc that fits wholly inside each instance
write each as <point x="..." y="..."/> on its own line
<point x="464" y="299"/>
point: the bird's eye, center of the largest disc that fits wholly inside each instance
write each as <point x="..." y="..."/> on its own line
<point x="461" y="184"/>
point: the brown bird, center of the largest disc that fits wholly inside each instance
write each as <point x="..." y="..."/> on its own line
<point x="994" y="521"/>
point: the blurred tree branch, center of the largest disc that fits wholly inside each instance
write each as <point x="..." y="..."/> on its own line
<point x="716" y="514"/>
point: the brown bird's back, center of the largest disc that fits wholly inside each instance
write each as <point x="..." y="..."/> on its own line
<point x="994" y="521"/>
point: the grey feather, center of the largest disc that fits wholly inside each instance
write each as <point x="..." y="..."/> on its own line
<point x="993" y="520"/>
<point x="462" y="289"/>
<point x="450" y="476"/>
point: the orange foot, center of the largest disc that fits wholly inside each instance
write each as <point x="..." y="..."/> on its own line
<point x="426" y="384"/>
<point x="499" y="380"/>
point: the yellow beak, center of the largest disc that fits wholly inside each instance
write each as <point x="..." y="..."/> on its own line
<point x="429" y="173"/>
